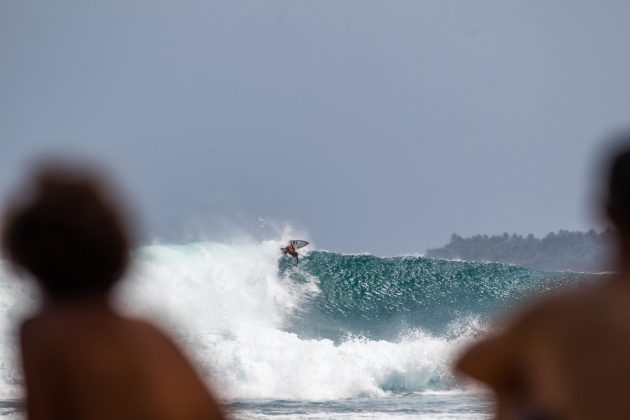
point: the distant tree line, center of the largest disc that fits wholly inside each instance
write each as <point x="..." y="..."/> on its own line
<point x="562" y="250"/>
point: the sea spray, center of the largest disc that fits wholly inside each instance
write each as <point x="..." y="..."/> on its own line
<point x="335" y="326"/>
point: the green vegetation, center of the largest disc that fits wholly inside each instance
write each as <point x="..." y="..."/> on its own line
<point x="564" y="250"/>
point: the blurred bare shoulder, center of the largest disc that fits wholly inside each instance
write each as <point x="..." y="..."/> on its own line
<point x="495" y="358"/>
<point x="130" y="358"/>
<point x="174" y="380"/>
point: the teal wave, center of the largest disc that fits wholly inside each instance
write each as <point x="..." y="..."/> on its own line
<point x="385" y="297"/>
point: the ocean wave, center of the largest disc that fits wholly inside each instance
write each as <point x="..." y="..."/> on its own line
<point x="383" y="297"/>
<point x="335" y="326"/>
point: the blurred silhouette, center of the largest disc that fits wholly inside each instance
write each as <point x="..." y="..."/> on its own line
<point x="568" y="357"/>
<point x="82" y="359"/>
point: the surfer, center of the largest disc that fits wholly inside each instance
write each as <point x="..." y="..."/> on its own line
<point x="292" y="248"/>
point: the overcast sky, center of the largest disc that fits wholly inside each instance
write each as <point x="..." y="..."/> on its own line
<point x="379" y="126"/>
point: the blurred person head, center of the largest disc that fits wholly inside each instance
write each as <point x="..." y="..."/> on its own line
<point x="618" y="205"/>
<point x="68" y="231"/>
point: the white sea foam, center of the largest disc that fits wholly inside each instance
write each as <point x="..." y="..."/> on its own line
<point x="229" y="306"/>
<point x="17" y="299"/>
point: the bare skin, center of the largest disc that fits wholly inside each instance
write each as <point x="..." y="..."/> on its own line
<point x="290" y="249"/>
<point x="565" y="358"/>
<point x="98" y="365"/>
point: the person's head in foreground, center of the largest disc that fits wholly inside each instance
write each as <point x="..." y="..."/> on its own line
<point x="67" y="232"/>
<point x="81" y="359"/>
<point x="568" y="357"/>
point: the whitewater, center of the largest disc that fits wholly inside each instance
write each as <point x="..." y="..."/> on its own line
<point x="338" y="336"/>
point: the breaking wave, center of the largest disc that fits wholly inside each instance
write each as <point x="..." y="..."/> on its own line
<point x="336" y="326"/>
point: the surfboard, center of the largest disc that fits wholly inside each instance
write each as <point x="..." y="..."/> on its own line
<point x="297" y="244"/>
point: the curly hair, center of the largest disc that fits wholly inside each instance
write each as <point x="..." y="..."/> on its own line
<point x="68" y="232"/>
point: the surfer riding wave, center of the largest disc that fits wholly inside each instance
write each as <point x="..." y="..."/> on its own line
<point x="292" y="248"/>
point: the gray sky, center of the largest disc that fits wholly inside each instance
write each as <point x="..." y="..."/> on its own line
<point x="380" y="126"/>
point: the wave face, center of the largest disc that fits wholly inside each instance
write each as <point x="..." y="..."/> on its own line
<point x="384" y="297"/>
<point x="336" y="326"/>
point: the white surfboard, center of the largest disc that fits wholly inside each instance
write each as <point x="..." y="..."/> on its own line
<point x="297" y="243"/>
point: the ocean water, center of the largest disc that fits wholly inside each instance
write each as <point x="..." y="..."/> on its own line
<point x="338" y="336"/>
